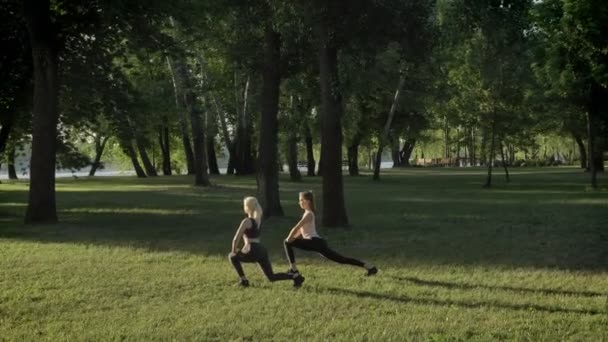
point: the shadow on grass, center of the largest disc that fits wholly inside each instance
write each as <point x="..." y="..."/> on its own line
<point x="422" y="219"/>
<point x="461" y="286"/>
<point x="462" y="304"/>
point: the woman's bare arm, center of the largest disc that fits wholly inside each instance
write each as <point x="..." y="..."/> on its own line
<point x="295" y="231"/>
<point x="239" y="234"/>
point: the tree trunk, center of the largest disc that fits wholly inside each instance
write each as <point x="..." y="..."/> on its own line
<point x="483" y="153"/>
<point x="232" y="160"/>
<point x="581" y="149"/>
<point x="12" y="173"/>
<point x="211" y="130"/>
<point x="292" y="159"/>
<point x="387" y="127"/>
<point x="591" y="146"/>
<point x="592" y="134"/>
<point x="212" y="156"/>
<point x="150" y="170"/>
<point x="310" y="157"/>
<point x="165" y="147"/>
<point x="224" y="129"/>
<point x="406" y="151"/>
<point x="201" y="177"/>
<point x="268" y="172"/>
<point x="184" y="83"/>
<point x="130" y="152"/>
<point x="243" y="162"/>
<point x="41" y="204"/>
<point x="353" y="158"/>
<point x="472" y="148"/>
<point x="183" y="119"/>
<point x="5" y="130"/>
<point x="395" y="155"/>
<point x="334" y="210"/>
<point x="492" y="149"/>
<point x="504" y="162"/>
<point x="100" y="144"/>
<point x="320" y="166"/>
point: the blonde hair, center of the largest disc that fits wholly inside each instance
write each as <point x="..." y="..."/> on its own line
<point x="254" y="207"/>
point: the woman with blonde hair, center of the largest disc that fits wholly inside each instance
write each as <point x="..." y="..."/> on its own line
<point x="249" y="231"/>
<point x="304" y="236"/>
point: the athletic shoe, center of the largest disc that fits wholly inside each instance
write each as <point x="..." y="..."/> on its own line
<point x="292" y="271"/>
<point x="371" y="271"/>
<point x="298" y="280"/>
<point x="244" y="283"/>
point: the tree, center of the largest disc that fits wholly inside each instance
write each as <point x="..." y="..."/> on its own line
<point x="43" y="41"/>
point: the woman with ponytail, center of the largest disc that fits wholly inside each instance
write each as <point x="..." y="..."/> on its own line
<point x="249" y="231"/>
<point x="304" y="236"/>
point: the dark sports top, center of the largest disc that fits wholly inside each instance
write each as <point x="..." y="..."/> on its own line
<point x="254" y="231"/>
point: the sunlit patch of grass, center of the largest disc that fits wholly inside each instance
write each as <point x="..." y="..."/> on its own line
<point x="129" y="211"/>
<point x="146" y="260"/>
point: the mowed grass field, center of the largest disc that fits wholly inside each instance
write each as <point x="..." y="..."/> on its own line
<point x="146" y="260"/>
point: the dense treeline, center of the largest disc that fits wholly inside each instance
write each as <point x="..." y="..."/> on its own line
<point x="283" y="82"/>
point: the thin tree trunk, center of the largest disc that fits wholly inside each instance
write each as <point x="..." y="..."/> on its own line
<point x="472" y="147"/>
<point x="387" y="127"/>
<point x="310" y="156"/>
<point x="320" y="166"/>
<point x="484" y="153"/>
<point x="12" y="173"/>
<point x="224" y="130"/>
<point x="211" y="130"/>
<point x="183" y="119"/>
<point x="406" y="151"/>
<point x="130" y="152"/>
<point x="165" y="147"/>
<point x="292" y="159"/>
<point x="184" y="81"/>
<point x="395" y="155"/>
<point x="353" y="158"/>
<point x="592" y="148"/>
<point x="268" y="172"/>
<point x="212" y="156"/>
<point x="5" y="130"/>
<point x="581" y="149"/>
<point x="492" y="149"/>
<point x="150" y="170"/>
<point x="201" y="177"/>
<point x="232" y="160"/>
<point x="244" y="162"/>
<point x="41" y="204"/>
<point x="504" y="162"/>
<point x="592" y="133"/>
<point x="100" y="144"/>
<point x="334" y="210"/>
<point x="446" y="136"/>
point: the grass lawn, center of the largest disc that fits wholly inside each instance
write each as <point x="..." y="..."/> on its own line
<point x="147" y="260"/>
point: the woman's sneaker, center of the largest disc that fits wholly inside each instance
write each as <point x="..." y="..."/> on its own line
<point x="371" y="271"/>
<point x="298" y="280"/>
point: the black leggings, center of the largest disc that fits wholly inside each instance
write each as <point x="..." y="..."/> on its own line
<point x="256" y="253"/>
<point x="320" y="246"/>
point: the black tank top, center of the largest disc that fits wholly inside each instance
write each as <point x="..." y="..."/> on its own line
<point x="254" y="231"/>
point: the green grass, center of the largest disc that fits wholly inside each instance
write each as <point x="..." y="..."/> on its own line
<point x="146" y="260"/>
